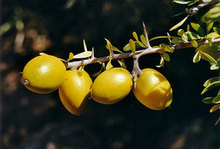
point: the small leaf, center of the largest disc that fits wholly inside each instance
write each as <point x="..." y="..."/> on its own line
<point x="5" y="27"/>
<point x="217" y="30"/>
<point x="122" y="63"/>
<point x="210" y="81"/>
<point x="143" y="40"/>
<point x="207" y="100"/>
<point x="176" y="40"/>
<point x="213" y="15"/>
<point x="116" y="49"/>
<point x="211" y="86"/>
<point x="135" y="36"/>
<point x="183" y="2"/>
<point x="179" y="24"/>
<point x="97" y="73"/>
<point x="214" y="67"/>
<point x="198" y="28"/>
<point x="197" y="57"/>
<point x="190" y="36"/>
<point x="19" y="25"/>
<point x="180" y="32"/>
<point x="214" y="108"/>
<point x="217" y="121"/>
<point x="194" y="43"/>
<point x="211" y="60"/>
<point x="133" y="47"/>
<point x="212" y="35"/>
<point x="216" y="100"/>
<point x="127" y="47"/>
<point x="161" y="62"/>
<point x="166" y="57"/>
<point x="209" y="26"/>
<point x="108" y="45"/>
<point x="71" y="55"/>
<point x="167" y="48"/>
<point x="83" y="55"/>
<point x="158" y="37"/>
<point x="109" y="65"/>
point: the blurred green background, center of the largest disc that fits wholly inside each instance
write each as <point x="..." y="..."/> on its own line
<point x="57" y="27"/>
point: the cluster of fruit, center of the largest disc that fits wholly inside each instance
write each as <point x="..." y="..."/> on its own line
<point x="45" y="74"/>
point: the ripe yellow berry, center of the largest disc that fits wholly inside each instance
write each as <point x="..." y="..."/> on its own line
<point x="43" y="74"/>
<point x="153" y="90"/>
<point x="75" y="90"/>
<point x="111" y="86"/>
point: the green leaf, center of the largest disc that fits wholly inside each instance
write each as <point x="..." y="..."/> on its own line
<point x="210" y="81"/>
<point x="143" y="40"/>
<point x="97" y="73"/>
<point x="212" y="35"/>
<point x="207" y="100"/>
<point x="108" y="46"/>
<point x="180" y="32"/>
<point x="116" y="49"/>
<point x="133" y="47"/>
<point x="194" y="43"/>
<point x="213" y="15"/>
<point x="127" y="47"/>
<point x="122" y="63"/>
<point x="179" y="24"/>
<point x="161" y="62"/>
<point x="109" y="65"/>
<point x="184" y="2"/>
<point x="190" y="36"/>
<point x="198" y="28"/>
<point x="71" y="56"/>
<point x="197" y="57"/>
<point x="158" y="37"/>
<point x="166" y="57"/>
<point x="210" y="59"/>
<point x="166" y="47"/>
<point x="176" y="40"/>
<point x="214" y="67"/>
<point x="135" y="36"/>
<point x="214" y="108"/>
<point x="217" y="30"/>
<point x="85" y="54"/>
<point x="209" y="26"/>
<point x="19" y="25"/>
<point x="216" y="100"/>
<point x="211" y="86"/>
<point x="5" y="27"/>
<point x="217" y="121"/>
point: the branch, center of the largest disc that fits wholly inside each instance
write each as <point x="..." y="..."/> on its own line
<point x="149" y="50"/>
<point x="195" y="10"/>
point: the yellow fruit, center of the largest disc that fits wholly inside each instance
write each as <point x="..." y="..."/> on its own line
<point x="111" y="86"/>
<point x="75" y="90"/>
<point x="43" y="74"/>
<point x="153" y="90"/>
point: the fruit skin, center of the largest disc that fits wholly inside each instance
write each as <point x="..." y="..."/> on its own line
<point x="153" y="90"/>
<point x="75" y="90"/>
<point x="111" y="86"/>
<point x="43" y="74"/>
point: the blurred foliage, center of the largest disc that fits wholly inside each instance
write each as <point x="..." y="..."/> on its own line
<point x="58" y="27"/>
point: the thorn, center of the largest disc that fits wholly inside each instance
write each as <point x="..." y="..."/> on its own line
<point x="93" y="53"/>
<point x="146" y="35"/>
<point x="26" y="82"/>
<point x="84" y="45"/>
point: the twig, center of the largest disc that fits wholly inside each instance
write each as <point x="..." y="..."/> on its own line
<point x="149" y="50"/>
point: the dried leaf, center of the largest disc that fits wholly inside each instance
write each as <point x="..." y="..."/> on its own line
<point x="109" y="65"/>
